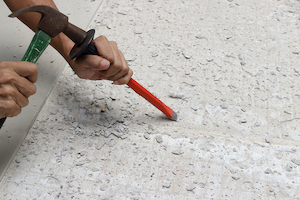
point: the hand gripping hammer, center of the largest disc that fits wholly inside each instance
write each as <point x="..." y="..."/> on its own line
<point x="54" y="22"/>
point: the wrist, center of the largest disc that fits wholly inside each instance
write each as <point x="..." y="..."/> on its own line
<point x="63" y="45"/>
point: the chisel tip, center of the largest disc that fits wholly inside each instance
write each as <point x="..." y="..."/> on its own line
<point x="174" y="117"/>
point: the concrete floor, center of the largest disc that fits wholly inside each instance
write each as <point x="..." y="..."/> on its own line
<point x="228" y="68"/>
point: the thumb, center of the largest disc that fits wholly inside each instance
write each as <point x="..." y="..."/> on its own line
<point x="93" y="62"/>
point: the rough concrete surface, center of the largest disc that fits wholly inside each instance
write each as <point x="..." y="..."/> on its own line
<point x="228" y="68"/>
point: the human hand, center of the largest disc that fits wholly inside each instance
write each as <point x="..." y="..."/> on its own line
<point x="109" y="65"/>
<point x="16" y="85"/>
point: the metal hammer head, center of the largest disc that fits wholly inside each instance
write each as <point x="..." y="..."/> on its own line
<point x="52" y="22"/>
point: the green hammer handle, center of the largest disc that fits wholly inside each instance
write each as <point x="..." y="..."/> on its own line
<point x="37" y="46"/>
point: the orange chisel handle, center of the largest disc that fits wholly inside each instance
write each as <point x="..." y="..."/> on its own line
<point x="152" y="99"/>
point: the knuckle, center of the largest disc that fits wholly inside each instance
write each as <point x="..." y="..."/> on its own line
<point x="32" y="90"/>
<point x="110" y="57"/>
<point x="16" y="112"/>
<point x="25" y="103"/>
<point x="102" y="37"/>
<point x="9" y="108"/>
<point x="4" y="64"/>
<point x="113" y="43"/>
<point x="8" y="91"/>
<point x="7" y="77"/>
<point x="10" y="105"/>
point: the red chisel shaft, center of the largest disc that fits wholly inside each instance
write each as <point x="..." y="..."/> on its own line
<point x="152" y="99"/>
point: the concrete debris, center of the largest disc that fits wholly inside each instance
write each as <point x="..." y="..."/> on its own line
<point x="178" y="152"/>
<point x="167" y="185"/>
<point x="159" y="139"/>
<point x="268" y="171"/>
<point x="147" y="136"/>
<point x="296" y="161"/>
<point x="190" y="188"/>
<point x="231" y="70"/>
<point x="176" y="95"/>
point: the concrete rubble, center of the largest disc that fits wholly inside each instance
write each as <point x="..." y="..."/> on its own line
<point x="228" y="68"/>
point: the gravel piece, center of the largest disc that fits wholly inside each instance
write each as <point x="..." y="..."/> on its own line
<point x="289" y="168"/>
<point x="268" y="140"/>
<point x="147" y="136"/>
<point x="224" y="107"/>
<point x="82" y="162"/>
<point x="186" y="55"/>
<point x="167" y="185"/>
<point x="176" y="95"/>
<point x="103" y="187"/>
<point x="296" y="161"/>
<point x="178" y="152"/>
<point x="268" y="171"/>
<point x="126" y="123"/>
<point x="159" y="139"/>
<point x="150" y="127"/>
<point x="190" y="188"/>
<point x="100" y="145"/>
<point x="113" y="95"/>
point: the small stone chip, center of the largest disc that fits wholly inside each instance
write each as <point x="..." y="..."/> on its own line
<point x="289" y="168"/>
<point x="147" y="136"/>
<point x="159" y="139"/>
<point x="103" y="187"/>
<point x="178" y="152"/>
<point x="95" y="169"/>
<point x="268" y="139"/>
<point x="268" y="171"/>
<point x="190" y="188"/>
<point x="176" y="95"/>
<point x="167" y="185"/>
<point x="186" y="55"/>
<point x="295" y="161"/>
<point x="100" y="145"/>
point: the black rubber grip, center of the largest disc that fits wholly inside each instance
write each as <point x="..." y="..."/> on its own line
<point x="90" y="50"/>
<point x="2" y="120"/>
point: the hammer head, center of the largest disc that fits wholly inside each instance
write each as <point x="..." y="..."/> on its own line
<point x="52" y="22"/>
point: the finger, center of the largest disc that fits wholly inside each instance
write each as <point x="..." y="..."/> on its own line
<point x="126" y="74"/>
<point x="10" y="93"/>
<point x="125" y="79"/>
<point x="25" y="69"/>
<point x="104" y="48"/>
<point x="115" y="70"/>
<point x="9" y="108"/>
<point x="88" y="67"/>
<point x="23" y="85"/>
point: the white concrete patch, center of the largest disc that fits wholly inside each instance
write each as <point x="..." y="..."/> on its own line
<point x="228" y="68"/>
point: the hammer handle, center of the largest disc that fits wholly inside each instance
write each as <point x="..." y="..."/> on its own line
<point x="39" y="43"/>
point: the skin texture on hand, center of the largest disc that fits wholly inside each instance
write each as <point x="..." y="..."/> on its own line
<point x="113" y="66"/>
<point x="110" y="65"/>
<point x="16" y="86"/>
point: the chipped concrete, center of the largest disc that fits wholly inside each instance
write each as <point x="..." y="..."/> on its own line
<point x="229" y="68"/>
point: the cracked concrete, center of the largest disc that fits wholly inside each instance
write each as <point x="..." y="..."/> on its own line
<point x="229" y="68"/>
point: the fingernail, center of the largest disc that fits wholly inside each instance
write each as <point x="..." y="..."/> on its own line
<point x="104" y="64"/>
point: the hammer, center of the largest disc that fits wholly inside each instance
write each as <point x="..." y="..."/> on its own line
<point x="54" y="22"/>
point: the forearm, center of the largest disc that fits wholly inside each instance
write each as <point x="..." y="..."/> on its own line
<point x="61" y="42"/>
